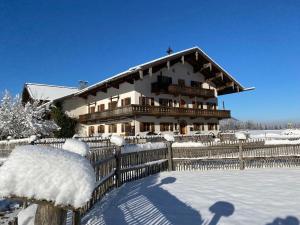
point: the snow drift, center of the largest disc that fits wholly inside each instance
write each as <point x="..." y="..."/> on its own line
<point x="46" y="173"/>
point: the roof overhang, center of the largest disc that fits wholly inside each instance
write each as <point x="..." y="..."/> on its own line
<point x="201" y="62"/>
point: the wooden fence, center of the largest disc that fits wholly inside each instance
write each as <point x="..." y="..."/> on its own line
<point x="114" y="168"/>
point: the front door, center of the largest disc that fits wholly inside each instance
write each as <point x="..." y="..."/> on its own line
<point x="182" y="127"/>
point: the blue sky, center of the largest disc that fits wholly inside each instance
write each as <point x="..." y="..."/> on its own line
<point x="61" y="42"/>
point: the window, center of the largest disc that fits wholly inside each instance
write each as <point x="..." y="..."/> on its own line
<point x="126" y="101"/>
<point x="212" y="126"/>
<point x="166" y="126"/>
<point x="146" y="101"/>
<point x="197" y="105"/>
<point x="91" y="130"/>
<point x="164" y="79"/>
<point x="211" y="106"/>
<point x="112" y="105"/>
<point x="144" y="127"/>
<point x="165" y="102"/>
<point x="126" y="128"/>
<point x="101" y="107"/>
<point x="196" y="84"/>
<point x="112" y="128"/>
<point x="91" y="109"/>
<point x="198" y="126"/>
<point x="101" y="129"/>
<point x="181" y="82"/>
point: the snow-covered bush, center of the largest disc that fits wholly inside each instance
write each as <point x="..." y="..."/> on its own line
<point x="47" y="173"/>
<point x="18" y="120"/>
<point x="240" y="136"/>
<point x="76" y="146"/>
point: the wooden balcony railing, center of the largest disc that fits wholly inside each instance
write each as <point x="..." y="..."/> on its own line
<point x="147" y="110"/>
<point x="190" y="91"/>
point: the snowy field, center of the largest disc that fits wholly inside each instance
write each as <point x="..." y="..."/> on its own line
<point x="256" y="196"/>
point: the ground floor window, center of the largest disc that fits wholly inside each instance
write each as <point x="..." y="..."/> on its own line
<point x="101" y="129"/>
<point x="212" y="126"/>
<point x="145" y="126"/>
<point x="166" y="126"/>
<point x="126" y="128"/>
<point x="198" y="126"/>
<point x="101" y="107"/>
<point x="112" y="128"/>
<point x="91" y="130"/>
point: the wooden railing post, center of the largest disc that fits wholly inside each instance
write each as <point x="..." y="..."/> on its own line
<point x="76" y="218"/>
<point x="118" y="166"/>
<point x="241" y="160"/>
<point x="170" y="156"/>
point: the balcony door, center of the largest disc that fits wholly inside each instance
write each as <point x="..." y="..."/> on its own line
<point x="182" y="127"/>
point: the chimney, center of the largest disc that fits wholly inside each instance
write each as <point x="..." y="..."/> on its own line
<point x="82" y="84"/>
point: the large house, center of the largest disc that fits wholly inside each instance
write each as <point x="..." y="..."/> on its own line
<point x="175" y="93"/>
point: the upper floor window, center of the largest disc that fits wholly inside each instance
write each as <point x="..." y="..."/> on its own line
<point x="211" y="106"/>
<point x="126" y="101"/>
<point x="91" y="109"/>
<point x="197" y="105"/>
<point x="212" y="126"/>
<point x="101" y="107"/>
<point x="196" y="84"/>
<point x="181" y="82"/>
<point x="164" y="79"/>
<point x="112" y="104"/>
<point x="146" y="101"/>
<point x="126" y="128"/>
<point x="165" y="102"/>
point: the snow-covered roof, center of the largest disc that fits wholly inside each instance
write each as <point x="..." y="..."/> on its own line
<point x="47" y="92"/>
<point x="161" y="60"/>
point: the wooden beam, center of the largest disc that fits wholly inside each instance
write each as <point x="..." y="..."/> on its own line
<point x="197" y="56"/>
<point x="150" y="71"/>
<point x="206" y="66"/>
<point x="218" y="75"/>
<point x="168" y="65"/>
<point x="141" y="74"/>
<point x="182" y="59"/>
<point x="227" y="85"/>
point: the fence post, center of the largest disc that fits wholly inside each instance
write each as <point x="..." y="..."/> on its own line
<point x="170" y="156"/>
<point x="76" y="218"/>
<point x="241" y="160"/>
<point x="118" y="165"/>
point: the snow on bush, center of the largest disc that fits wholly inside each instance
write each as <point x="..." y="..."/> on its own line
<point x="46" y="173"/>
<point x="76" y="146"/>
<point x="143" y="147"/>
<point x="169" y="137"/>
<point x="240" y="136"/>
<point x="117" y="140"/>
<point x="27" y="216"/>
<point x="18" y="121"/>
<point x="187" y="144"/>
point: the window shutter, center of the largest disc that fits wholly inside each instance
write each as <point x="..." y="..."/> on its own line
<point x="142" y="127"/>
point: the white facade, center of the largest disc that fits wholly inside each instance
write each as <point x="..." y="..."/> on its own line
<point x="75" y="106"/>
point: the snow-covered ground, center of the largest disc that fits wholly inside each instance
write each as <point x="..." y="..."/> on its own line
<point x="275" y="134"/>
<point x="254" y="196"/>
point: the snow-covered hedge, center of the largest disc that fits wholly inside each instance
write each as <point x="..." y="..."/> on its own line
<point x="46" y="173"/>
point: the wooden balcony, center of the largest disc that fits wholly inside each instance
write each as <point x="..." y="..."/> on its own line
<point x="190" y="91"/>
<point x="136" y="110"/>
<point x="175" y="89"/>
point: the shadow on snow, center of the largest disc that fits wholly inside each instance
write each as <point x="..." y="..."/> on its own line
<point x="145" y="202"/>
